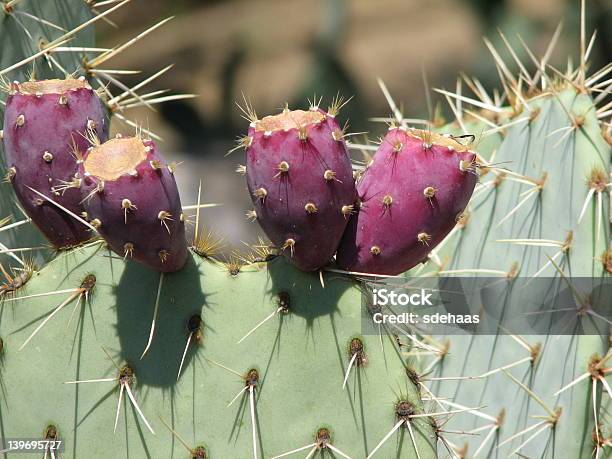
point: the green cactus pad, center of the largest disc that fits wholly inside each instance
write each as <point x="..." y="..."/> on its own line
<point x="546" y="145"/>
<point x="301" y="357"/>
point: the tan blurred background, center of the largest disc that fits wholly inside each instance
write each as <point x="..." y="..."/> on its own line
<point x="277" y="51"/>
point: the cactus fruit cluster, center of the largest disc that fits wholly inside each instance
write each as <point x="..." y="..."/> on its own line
<point x="301" y="181"/>
<point x="131" y="342"/>
<point x="71" y="181"/>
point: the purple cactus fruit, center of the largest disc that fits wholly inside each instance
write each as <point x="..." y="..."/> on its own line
<point x="411" y="195"/>
<point x="131" y="197"/>
<point x="300" y="178"/>
<point x="46" y="126"/>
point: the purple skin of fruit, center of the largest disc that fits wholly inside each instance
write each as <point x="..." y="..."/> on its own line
<point x="131" y="197"/>
<point x="301" y="182"/>
<point x="411" y="194"/>
<point x="45" y="124"/>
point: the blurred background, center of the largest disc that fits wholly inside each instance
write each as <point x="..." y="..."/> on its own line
<point x="278" y="51"/>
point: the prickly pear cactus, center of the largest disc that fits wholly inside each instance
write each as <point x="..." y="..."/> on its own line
<point x="278" y="389"/>
<point x="259" y="359"/>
